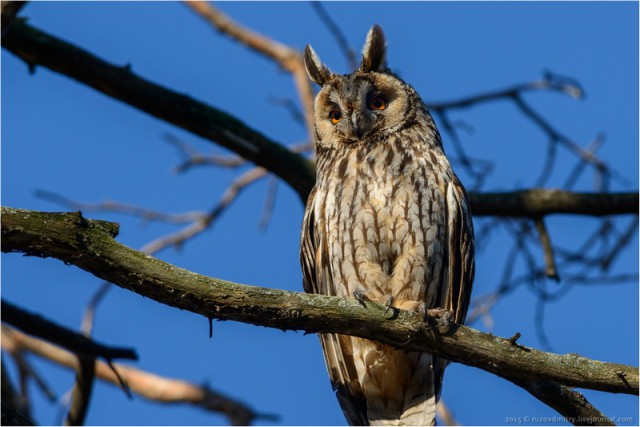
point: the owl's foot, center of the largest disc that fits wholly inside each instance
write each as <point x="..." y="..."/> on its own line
<point x="443" y="317"/>
<point x="361" y="296"/>
<point x="388" y="304"/>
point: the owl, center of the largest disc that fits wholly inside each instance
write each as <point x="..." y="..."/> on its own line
<point x="387" y="221"/>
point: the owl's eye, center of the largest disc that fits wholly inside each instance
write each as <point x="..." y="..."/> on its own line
<point x="377" y="103"/>
<point x="335" y="116"/>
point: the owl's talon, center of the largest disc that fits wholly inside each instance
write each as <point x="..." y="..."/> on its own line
<point x="388" y="304"/>
<point x="360" y="296"/>
<point x="443" y="317"/>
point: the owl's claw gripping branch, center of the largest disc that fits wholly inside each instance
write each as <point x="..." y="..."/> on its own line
<point x="361" y="296"/>
<point x="436" y="316"/>
<point x="388" y="304"/>
<point x="442" y="317"/>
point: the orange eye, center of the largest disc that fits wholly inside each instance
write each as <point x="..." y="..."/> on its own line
<point x="377" y="103"/>
<point x="335" y="116"/>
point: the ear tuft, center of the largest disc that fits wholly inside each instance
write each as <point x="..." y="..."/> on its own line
<point x="316" y="70"/>
<point x="374" y="52"/>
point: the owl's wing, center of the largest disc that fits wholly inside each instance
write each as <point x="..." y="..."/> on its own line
<point x="317" y="279"/>
<point x="460" y="268"/>
<point x="309" y="249"/>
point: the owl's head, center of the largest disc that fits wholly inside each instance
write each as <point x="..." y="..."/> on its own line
<point x="363" y="106"/>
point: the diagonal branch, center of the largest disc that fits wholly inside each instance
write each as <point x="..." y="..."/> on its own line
<point x="287" y="57"/>
<point x="66" y="236"/>
<point x="572" y="405"/>
<point x="145" y="384"/>
<point x="10" y="9"/>
<point x="36" y="47"/>
<point x="39" y="326"/>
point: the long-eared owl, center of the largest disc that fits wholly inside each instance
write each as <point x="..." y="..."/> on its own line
<point x="387" y="221"/>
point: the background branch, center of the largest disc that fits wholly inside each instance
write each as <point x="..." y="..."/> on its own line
<point x="145" y="384"/>
<point x="10" y="10"/>
<point x="571" y="404"/>
<point x="36" y="47"/>
<point x="539" y="202"/>
<point x="285" y="56"/>
<point x="39" y="326"/>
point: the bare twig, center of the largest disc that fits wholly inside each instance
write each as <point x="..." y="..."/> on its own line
<point x="547" y="83"/>
<point x="444" y="413"/>
<point x="89" y="313"/>
<point x="291" y="107"/>
<point x="336" y="32"/>
<point x="80" y="396"/>
<point x="82" y="390"/>
<point x="119" y="207"/>
<point x="580" y="165"/>
<point x="287" y="57"/>
<point x="178" y="238"/>
<point x="269" y="204"/>
<point x="549" y="258"/>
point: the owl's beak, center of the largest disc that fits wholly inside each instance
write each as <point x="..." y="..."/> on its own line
<point x="356" y="124"/>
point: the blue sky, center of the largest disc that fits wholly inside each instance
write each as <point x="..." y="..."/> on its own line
<point x="60" y="136"/>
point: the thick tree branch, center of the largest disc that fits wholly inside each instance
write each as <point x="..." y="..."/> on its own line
<point x="10" y="9"/>
<point x="86" y="244"/>
<point x="39" y="48"/>
<point x="537" y="203"/>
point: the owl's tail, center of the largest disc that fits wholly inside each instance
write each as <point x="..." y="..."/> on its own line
<point x="407" y="389"/>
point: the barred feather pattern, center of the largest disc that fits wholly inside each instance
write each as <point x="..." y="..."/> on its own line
<point x="387" y="217"/>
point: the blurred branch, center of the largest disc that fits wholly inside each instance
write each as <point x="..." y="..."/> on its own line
<point x="10" y="10"/>
<point x="86" y="366"/>
<point x="478" y="169"/>
<point x="66" y="237"/>
<point x="38" y="48"/>
<point x="201" y="224"/>
<point x="549" y="259"/>
<point x="82" y="390"/>
<point x="12" y="416"/>
<point x="573" y="406"/>
<point x="444" y="413"/>
<point x="39" y="326"/>
<point x="550" y="82"/>
<point x="336" y="32"/>
<point x="150" y="386"/>
<point x="287" y="57"/>
<point x="119" y="207"/>
<point x="539" y="202"/>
